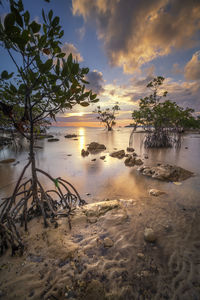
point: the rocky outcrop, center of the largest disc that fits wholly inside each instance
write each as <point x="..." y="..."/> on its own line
<point x="95" y="147"/>
<point x="131" y="161"/>
<point x="166" y="172"/>
<point x="118" y="154"/>
<point x="99" y="208"/>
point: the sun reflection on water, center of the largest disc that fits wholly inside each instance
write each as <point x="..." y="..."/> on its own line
<point x="81" y="133"/>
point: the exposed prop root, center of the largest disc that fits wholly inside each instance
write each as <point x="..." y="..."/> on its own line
<point x="157" y="139"/>
<point x="22" y="206"/>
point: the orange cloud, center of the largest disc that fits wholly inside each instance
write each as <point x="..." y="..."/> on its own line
<point x="136" y="32"/>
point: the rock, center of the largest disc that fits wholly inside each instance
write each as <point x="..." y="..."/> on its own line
<point x="146" y="157"/>
<point x="130" y="161"/>
<point x="92" y="220"/>
<point x="69" y="136"/>
<point x="84" y="152"/>
<point x="99" y="208"/>
<point x="149" y="235"/>
<point x="130" y="149"/>
<point x="102" y="157"/>
<point x="95" y="147"/>
<point x="119" y="154"/>
<point x="138" y="162"/>
<point x="7" y="161"/>
<point x="53" y="140"/>
<point x="166" y="172"/>
<point x="107" y="242"/>
<point x="140" y="255"/>
<point x="155" y="192"/>
<point x="94" y="159"/>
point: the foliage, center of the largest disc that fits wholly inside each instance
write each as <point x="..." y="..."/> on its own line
<point x="160" y="117"/>
<point x="107" y="115"/>
<point x="42" y="83"/>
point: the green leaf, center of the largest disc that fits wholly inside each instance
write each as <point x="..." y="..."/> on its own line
<point x="84" y="104"/>
<point x="9" y="20"/>
<point x="61" y="55"/>
<point x="92" y="97"/>
<point x="19" y="19"/>
<point x="26" y="17"/>
<point x="50" y="15"/>
<point x="56" y="183"/>
<point x="55" y="21"/>
<point x="69" y="59"/>
<point x="35" y="27"/>
<point x="95" y="100"/>
<point x="4" y="75"/>
<point x="43" y="15"/>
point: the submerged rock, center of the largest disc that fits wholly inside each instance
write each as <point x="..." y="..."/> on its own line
<point x="102" y="157"/>
<point x="155" y="192"/>
<point x="118" y="154"/>
<point x="69" y="136"/>
<point x="166" y="172"/>
<point x="95" y="147"/>
<point x="138" y="162"/>
<point x="130" y="149"/>
<point x="7" y="161"/>
<point x="130" y="161"/>
<point x="53" y="140"/>
<point x="84" y="152"/>
<point x="149" y="235"/>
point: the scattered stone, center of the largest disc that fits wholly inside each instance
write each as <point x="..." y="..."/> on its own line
<point x="146" y="157"/>
<point x="69" y="136"/>
<point x="69" y="154"/>
<point x="75" y="139"/>
<point x="130" y="161"/>
<point x="166" y="172"/>
<point x="107" y="242"/>
<point x="155" y="192"/>
<point x="149" y="235"/>
<point x="118" y="154"/>
<point x="7" y="161"/>
<point x="186" y="147"/>
<point x="102" y="157"/>
<point x="140" y="255"/>
<point x="94" y="159"/>
<point x="53" y="140"/>
<point x="88" y="194"/>
<point x="138" y="162"/>
<point x="130" y="149"/>
<point x="95" y="147"/>
<point x="84" y="152"/>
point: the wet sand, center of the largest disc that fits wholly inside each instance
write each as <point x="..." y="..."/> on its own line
<point x="79" y="264"/>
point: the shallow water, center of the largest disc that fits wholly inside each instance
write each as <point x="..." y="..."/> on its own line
<point x="108" y="178"/>
<point x="170" y="268"/>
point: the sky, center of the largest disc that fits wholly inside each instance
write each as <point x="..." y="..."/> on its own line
<point x="125" y="44"/>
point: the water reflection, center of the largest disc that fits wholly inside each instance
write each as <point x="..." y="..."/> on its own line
<point x="81" y="133"/>
<point x="107" y="178"/>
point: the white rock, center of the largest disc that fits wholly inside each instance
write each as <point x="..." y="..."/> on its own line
<point x="155" y="192"/>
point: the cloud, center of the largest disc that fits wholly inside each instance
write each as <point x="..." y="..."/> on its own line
<point x="70" y="48"/>
<point x="81" y="32"/>
<point x="136" y="32"/>
<point x="176" y="69"/>
<point x="192" y="68"/>
<point x="96" y="81"/>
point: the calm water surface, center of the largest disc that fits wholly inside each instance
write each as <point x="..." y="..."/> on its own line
<point x="110" y="178"/>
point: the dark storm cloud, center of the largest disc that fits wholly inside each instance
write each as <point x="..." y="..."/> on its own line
<point x="96" y="81"/>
